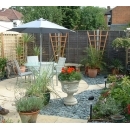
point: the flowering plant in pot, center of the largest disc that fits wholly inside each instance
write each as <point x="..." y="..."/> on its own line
<point x="69" y="79"/>
<point x="69" y="74"/>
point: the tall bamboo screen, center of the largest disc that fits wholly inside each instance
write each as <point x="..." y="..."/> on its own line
<point x="8" y="44"/>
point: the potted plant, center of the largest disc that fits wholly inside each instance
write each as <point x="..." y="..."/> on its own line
<point x="93" y="61"/>
<point x="116" y="43"/>
<point x="116" y="66"/>
<point x="42" y="86"/>
<point x="28" y="108"/>
<point x="69" y="79"/>
<point x="27" y="38"/>
<point x="121" y="42"/>
<point x="19" y="51"/>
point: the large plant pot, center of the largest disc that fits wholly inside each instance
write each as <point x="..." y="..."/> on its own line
<point x="115" y="71"/>
<point x="28" y="117"/>
<point x="70" y="88"/>
<point x="92" y="73"/>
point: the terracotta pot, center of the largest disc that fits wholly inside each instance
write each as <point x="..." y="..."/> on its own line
<point x="115" y="71"/>
<point x="98" y="70"/>
<point x="92" y="73"/>
<point x="22" y="68"/>
<point x="28" y="117"/>
<point x="86" y="70"/>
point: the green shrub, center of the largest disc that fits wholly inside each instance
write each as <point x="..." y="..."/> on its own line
<point x="29" y="104"/>
<point x="3" y="62"/>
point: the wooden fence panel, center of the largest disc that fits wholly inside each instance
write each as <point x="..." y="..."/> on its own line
<point x="75" y="45"/>
<point x="9" y="41"/>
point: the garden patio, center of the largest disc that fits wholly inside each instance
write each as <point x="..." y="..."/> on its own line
<point x="56" y="110"/>
<point x="7" y="101"/>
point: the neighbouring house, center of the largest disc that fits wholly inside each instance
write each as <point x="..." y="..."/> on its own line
<point x="118" y="18"/>
<point x="9" y="18"/>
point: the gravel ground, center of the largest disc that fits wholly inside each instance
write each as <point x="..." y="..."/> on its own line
<point x="99" y="79"/>
<point x="81" y="110"/>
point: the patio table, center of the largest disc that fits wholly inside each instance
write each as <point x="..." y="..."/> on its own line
<point x="35" y="67"/>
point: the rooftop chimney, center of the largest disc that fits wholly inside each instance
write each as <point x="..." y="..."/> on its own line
<point x="108" y="8"/>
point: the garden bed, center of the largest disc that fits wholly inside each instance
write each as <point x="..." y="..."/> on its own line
<point x="99" y="121"/>
<point x="113" y="104"/>
<point x="107" y="121"/>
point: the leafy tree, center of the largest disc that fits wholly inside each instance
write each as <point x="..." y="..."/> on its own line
<point x="71" y="16"/>
<point x="92" y="18"/>
<point x="51" y="13"/>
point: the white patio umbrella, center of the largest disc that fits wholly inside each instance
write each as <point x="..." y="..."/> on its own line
<point x="40" y="26"/>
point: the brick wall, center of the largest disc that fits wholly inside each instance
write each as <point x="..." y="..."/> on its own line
<point x="121" y="15"/>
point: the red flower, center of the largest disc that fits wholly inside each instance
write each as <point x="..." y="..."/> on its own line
<point x="69" y="74"/>
<point x="63" y="70"/>
<point x="70" y="70"/>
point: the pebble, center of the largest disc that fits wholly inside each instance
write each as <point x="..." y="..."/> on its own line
<point x="81" y="110"/>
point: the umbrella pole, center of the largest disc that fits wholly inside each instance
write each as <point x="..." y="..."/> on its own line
<point x="40" y="47"/>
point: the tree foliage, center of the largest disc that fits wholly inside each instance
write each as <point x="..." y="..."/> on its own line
<point x="51" y="13"/>
<point x="92" y="18"/>
<point x="71" y="17"/>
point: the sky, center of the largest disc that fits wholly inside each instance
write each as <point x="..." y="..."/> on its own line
<point x="100" y="3"/>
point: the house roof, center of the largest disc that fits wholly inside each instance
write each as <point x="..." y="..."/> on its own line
<point x="118" y="27"/>
<point x="11" y="14"/>
<point x="4" y="18"/>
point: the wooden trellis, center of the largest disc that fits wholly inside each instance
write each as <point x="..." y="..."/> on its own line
<point x="8" y="43"/>
<point x="98" y="39"/>
<point x="58" y="42"/>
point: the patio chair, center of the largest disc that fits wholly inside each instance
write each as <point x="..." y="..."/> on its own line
<point x="19" y="73"/>
<point x="58" y="68"/>
<point x="46" y="70"/>
<point x="33" y="60"/>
